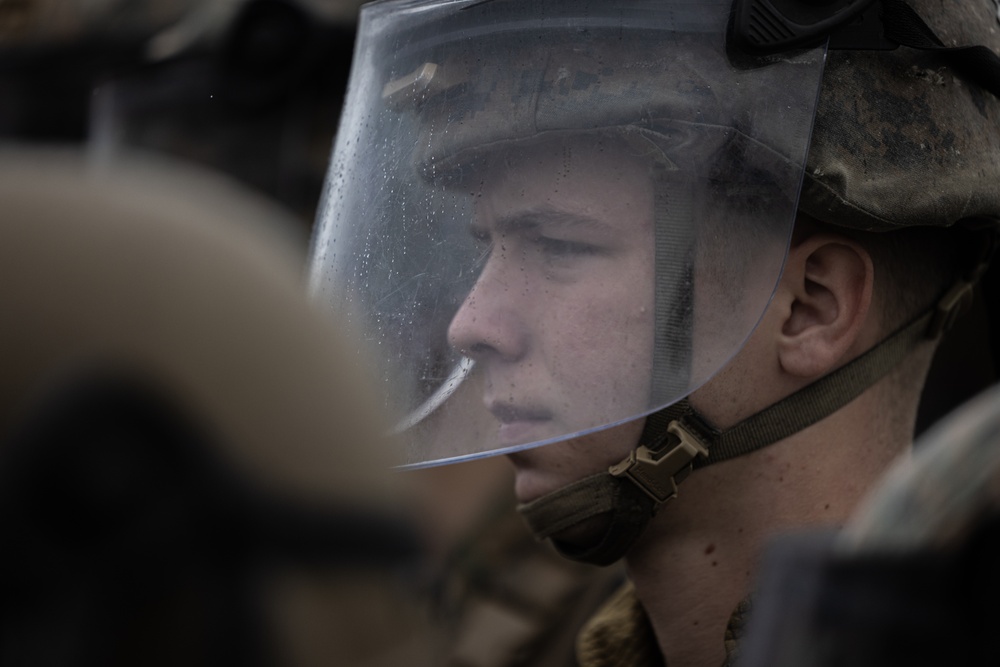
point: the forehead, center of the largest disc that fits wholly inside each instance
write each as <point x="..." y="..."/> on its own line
<point x="598" y="182"/>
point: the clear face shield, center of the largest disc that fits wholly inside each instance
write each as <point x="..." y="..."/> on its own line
<point x="548" y="218"/>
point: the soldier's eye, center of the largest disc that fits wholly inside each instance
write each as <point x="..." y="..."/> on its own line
<point x="559" y="248"/>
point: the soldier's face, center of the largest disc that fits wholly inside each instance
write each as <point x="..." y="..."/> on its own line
<point x="560" y="321"/>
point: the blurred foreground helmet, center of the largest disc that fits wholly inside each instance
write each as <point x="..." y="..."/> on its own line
<point x="551" y="218"/>
<point x="191" y="467"/>
<point x="911" y="579"/>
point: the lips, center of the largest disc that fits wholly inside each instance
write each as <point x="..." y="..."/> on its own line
<point x="506" y="413"/>
<point x="519" y="424"/>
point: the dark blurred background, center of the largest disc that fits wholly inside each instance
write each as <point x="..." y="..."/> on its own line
<point x="252" y="88"/>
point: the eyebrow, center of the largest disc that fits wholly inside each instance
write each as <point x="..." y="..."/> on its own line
<point x="535" y="218"/>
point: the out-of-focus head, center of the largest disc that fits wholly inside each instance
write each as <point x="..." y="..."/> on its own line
<point x="194" y="469"/>
<point x="912" y="574"/>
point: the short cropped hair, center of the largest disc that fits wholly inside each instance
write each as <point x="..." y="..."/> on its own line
<point x="914" y="267"/>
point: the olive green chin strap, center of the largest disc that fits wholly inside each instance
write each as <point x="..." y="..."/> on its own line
<point x="676" y="440"/>
<point x="627" y="508"/>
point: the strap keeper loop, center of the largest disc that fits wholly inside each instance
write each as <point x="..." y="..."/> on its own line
<point x="956" y="301"/>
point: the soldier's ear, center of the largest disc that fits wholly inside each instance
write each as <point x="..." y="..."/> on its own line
<point x="828" y="283"/>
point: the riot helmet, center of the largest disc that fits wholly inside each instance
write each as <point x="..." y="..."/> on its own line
<point x="551" y="219"/>
<point x="587" y="176"/>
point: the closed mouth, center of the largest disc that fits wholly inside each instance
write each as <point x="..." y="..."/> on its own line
<point x="509" y="414"/>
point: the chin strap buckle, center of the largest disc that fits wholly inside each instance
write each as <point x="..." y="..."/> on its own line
<point x="657" y="472"/>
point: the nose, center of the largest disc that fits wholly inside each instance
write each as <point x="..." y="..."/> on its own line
<point x="491" y="321"/>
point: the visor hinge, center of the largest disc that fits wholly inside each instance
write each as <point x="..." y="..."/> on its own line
<point x="959" y="298"/>
<point x="657" y="472"/>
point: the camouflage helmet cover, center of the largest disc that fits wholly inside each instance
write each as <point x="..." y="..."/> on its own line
<point x="901" y="140"/>
<point x="675" y="110"/>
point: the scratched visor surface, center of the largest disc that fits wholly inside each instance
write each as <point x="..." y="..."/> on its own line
<point x="550" y="218"/>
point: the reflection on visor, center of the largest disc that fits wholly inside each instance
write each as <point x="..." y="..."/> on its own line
<point x="437" y="399"/>
<point x="548" y="218"/>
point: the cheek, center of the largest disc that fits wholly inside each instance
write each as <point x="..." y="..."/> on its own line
<point x="606" y="342"/>
<point x="608" y="447"/>
<point x="550" y="467"/>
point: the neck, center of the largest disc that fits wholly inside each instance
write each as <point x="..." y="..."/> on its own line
<point x="698" y="557"/>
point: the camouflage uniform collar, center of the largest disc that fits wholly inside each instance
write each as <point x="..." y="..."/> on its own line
<point x="620" y="634"/>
